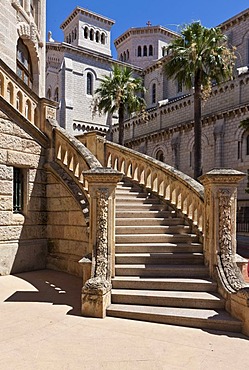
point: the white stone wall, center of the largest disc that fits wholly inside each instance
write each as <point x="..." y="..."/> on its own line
<point x="75" y="24"/>
<point x="128" y="43"/>
<point x="69" y="74"/>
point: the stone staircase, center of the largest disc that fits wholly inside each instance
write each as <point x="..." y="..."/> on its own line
<point x="160" y="271"/>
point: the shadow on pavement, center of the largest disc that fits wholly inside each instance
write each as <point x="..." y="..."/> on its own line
<point x="54" y="287"/>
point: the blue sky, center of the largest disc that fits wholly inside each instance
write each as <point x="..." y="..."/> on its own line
<point x="135" y="13"/>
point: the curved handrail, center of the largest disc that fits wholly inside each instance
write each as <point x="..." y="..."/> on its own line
<point x="73" y="156"/>
<point x="185" y="193"/>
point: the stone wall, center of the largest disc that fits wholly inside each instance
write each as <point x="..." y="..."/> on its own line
<point x="67" y="228"/>
<point x="23" y="243"/>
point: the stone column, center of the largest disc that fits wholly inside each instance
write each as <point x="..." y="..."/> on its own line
<point x="96" y="292"/>
<point x="220" y="197"/>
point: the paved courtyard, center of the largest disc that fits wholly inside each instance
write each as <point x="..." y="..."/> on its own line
<point x="41" y="328"/>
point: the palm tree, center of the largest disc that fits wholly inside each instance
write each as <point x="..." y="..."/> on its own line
<point x="119" y="92"/>
<point x="197" y="59"/>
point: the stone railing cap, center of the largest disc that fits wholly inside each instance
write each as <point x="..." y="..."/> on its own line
<point x="227" y="175"/>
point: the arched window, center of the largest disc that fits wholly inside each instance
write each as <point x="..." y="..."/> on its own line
<point x="124" y="56"/>
<point x="247" y="145"/>
<point x="49" y="93"/>
<point x="103" y="38"/>
<point x="24" y="67"/>
<point x="163" y="51"/>
<point x="34" y="10"/>
<point x="121" y="57"/>
<point x="10" y="90"/>
<point x="153" y="94"/>
<point x="19" y="101"/>
<point x="89" y="84"/>
<point x="191" y="157"/>
<point x="179" y="87"/>
<point x="91" y="34"/>
<point x="69" y="39"/>
<point x="27" y="110"/>
<point x="139" y="51"/>
<point x="128" y="54"/>
<point x="97" y="37"/>
<point x="160" y="156"/>
<point x="56" y="94"/>
<point x="150" y="50"/>
<point x="86" y="32"/>
<point x="75" y="33"/>
<point x="145" y="51"/>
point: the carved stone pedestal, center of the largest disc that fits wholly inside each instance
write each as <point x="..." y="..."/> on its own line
<point x="96" y="297"/>
<point x="96" y="292"/>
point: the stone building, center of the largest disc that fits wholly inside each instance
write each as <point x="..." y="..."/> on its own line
<point x="36" y="207"/>
<point x="76" y="66"/>
<point x="168" y="133"/>
<point x="68" y="203"/>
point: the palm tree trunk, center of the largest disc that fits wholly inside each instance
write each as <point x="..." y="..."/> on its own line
<point x="121" y="124"/>
<point x="197" y="129"/>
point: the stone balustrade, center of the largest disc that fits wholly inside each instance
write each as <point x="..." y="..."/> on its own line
<point x="182" y="191"/>
<point x="15" y="92"/>
<point x="73" y="156"/>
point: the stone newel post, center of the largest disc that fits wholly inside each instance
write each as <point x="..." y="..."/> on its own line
<point x="96" y="292"/>
<point x="220" y="197"/>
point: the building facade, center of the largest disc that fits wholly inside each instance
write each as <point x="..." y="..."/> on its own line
<point x="76" y="67"/>
<point x="37" y="209"/>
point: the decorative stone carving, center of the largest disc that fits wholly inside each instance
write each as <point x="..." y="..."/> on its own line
<point x="226" y="255"/>
<point x="33" y="32"/>
<point x="97" y="285"/>
<point x="50" y="113"/>
<point x="96" y="292"/>
<point x="24" y="30"/>
<point x="101" y="234"/>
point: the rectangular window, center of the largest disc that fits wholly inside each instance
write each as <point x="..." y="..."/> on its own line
<point x="18" y="190"/>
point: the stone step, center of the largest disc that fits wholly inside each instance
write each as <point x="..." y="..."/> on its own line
<point x="156" y="238"/>
<point x="184" y="284"/>
<point x="167" y="298"/>
<point x="136" y="214"/>
<point x="192" y="317"/>
<point x="130" y="196"/>
<point x="150" y="221"/>
<point x="159" y="258"/>
<point x="158" y="247"/>
<point x="144" y="270"/>
<point x="156" y="229"/>
<point x="137" y="206"/>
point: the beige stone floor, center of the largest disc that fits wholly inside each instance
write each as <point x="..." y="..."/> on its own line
<point x="41" y="328"/>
